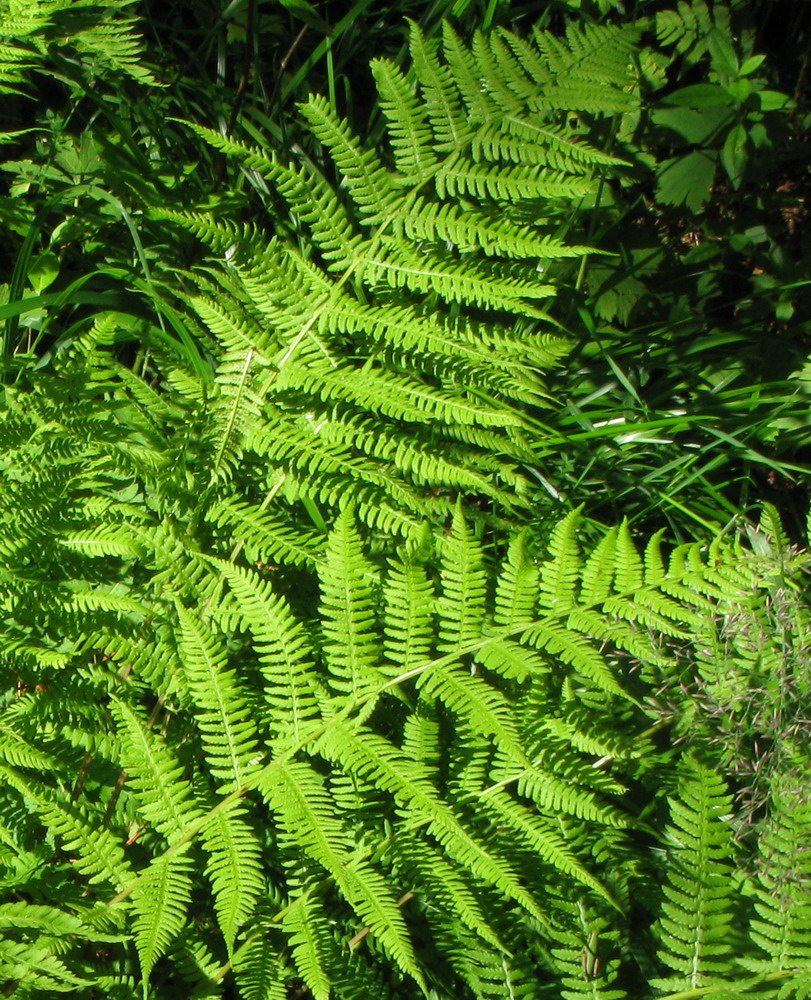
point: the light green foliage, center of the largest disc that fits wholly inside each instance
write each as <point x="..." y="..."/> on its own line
<point x="299" y="696"/>
<point x="696" y="927"/>
<point x="422" y="763"/>
<point x="782" y="885"/>
<point x="399" y="342"/>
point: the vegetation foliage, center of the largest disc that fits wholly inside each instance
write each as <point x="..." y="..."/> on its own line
<point x="320" y="675"/>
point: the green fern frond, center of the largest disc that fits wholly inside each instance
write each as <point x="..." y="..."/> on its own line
<point x="228" y="731"/>
<point x="234" y="869"/>
<point x="31" y="32"/>
<point x="34" y="968"/>
<point x="440" y="96"/>
<point x="409" y="132"/>
<point x="540" y="837"/>
<point x="687" y="28"/>
<point x="560" y="573"/>
<point x="307" y="823"/>
<point x="165" y="799"/>
<point x="591" y="68"/>
<point x="582" y="957"/>
<point x="349" y="596"/>
<point x="54" y="922"/>
<point x="309" y="826"/>
<point x="511" y="184"/>
<point x="517" y="589"/>
<point x="797" y="988"/>
<point x="101" y="856"/>
<point x="782" y="927"/>
<point x="261" y="973"/>
<point x="285" y="653"/>
<point x="560" y="791"/>
<point x="447" y="223"/>
<point x="464" y="585"/>
<point x="481" y="707"/>
<point x="408" y="630"/>
<point x="698" y="909"/>
<point x="18" y="752"/>
<point x="569" y="645"/>
<point x="431" y="255"/>
<point x="368" y="182"/>
<point x="438" y="882"/>
<point x="371" y="757"/>
<point x="266" y="537"/>
<point x="310" y="939"/>
<point x="161" y="899"/>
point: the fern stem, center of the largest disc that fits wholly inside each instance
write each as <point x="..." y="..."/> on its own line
<point x="703" y="991"/>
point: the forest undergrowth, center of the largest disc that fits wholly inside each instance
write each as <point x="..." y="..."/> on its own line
<point x="403" y="514"/>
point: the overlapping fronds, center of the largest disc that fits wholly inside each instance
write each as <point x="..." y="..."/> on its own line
<point x="781" y="927"/>
<point x="288" y="706"/>
<point x="101" y="33"/>
<point x="421" y="762"/>
<point x="393" y="350"/>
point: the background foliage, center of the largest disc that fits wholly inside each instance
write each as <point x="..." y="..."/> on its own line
<point x="321" y="676"/>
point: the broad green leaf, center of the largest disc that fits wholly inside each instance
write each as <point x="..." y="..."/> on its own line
<point x="687" y="180"/>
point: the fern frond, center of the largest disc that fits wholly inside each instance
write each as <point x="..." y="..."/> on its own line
<point x="373" y="758"/>
<point x="101" y="856"/>
<point x="18" y="752"/>
<point x="559" y="574"/>
<point x="485" y="286"/>
<point x="226" y="723"/>
<point x="409" y="132"/>
<point x="267" y="537"/>
<point x="541" y="839"/>
<point x="310" y="938"/>
<point x="464" y="581"/>
<point x="348" y="603"/>
<point x="369" y="184"/>
<point x="561" y="791"/>
<point x="408" y="595"/>
<point x="591" y="68"/>
<point x="465" y="229"/>
<point x="569" y="645"/>
<point x="284" y="650"/>
<point x="164" y="798"/>
<point x="161" y="898"/>
<point x="687" y="28"/>
<point x="439" y="93"/>
<point x="582" y="957"/>
<point x="782" y="927"/>
<point x="698" y="910"/>
<point x="34" y="968"/>
<point x="310" y="826"/>
<point x="234" y="869"/>
<point x="442" y="886"/>
<point x="261" y="973"/>
<point x="482" y="707"/>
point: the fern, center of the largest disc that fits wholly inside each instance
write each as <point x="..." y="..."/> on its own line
<point x="301" y="694"/>
<point x="160" y="900"/>
<point x="392" y="317"/>
<point x="782" y="926"/>
<point x="235" y="869"/>
<point x="100" y="35"/>
<point x="227" y="730"/>
<point x="694" y="928"/>
<point x="687" y="28"/>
